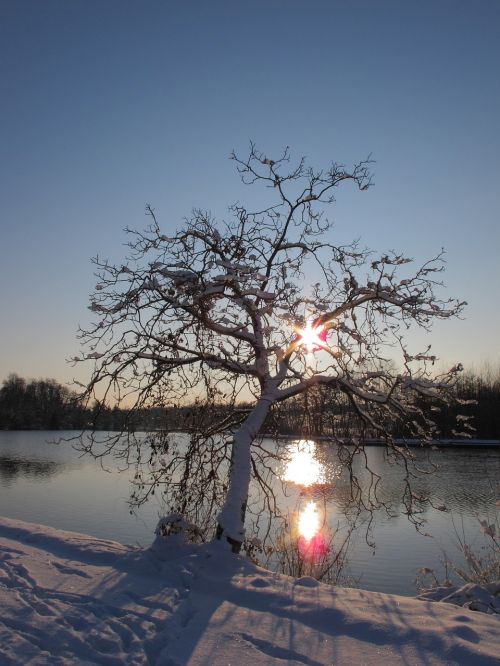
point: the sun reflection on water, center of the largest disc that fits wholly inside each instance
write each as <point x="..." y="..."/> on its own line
<point x="305" y="470"/>
<point x="302" y="467"/>
<point x="308" y="523"/>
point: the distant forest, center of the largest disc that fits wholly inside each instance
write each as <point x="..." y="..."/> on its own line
<point x="44" y="404"/>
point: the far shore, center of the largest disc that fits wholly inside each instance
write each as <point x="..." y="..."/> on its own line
<point x="369" y="441"/>
<point x="399" y="441"/>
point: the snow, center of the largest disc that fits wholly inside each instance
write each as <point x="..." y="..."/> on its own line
<point x="485" y="599"/>
<point x="66" y="598"/>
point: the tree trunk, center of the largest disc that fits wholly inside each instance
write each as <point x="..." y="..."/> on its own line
<point x="231" y="520"/>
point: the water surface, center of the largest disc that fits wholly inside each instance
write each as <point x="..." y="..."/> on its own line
<point x="53" y="484"/>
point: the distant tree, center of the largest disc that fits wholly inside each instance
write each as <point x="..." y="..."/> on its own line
<point x="483" y="388"/>
<point x="38" y="404"/>
<point x="12" y="403"/>
<point x="221" y="312"/>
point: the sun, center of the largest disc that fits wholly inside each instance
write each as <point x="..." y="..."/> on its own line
<point x="312" y="338"/>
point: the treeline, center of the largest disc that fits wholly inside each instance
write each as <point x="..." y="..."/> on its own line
<point x="45" y="404"/>
<point x="484" y="389"/>
<point x="319" y="412"/>
<point x="39" y="404"/>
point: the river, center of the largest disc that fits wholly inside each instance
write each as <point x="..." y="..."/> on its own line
<point x="53" y="484"/>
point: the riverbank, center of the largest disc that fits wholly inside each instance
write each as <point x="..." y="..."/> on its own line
<point x="67" y="598"/>
<point x="370" y="441"/>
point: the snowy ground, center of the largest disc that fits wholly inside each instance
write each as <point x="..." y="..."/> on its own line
<point x="66" y="598"/>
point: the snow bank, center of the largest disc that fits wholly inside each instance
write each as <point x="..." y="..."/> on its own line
<point x="484" y="599"/>
<point x="66" y="598"/>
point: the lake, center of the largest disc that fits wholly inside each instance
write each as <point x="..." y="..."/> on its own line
<point x="52" y="484"/>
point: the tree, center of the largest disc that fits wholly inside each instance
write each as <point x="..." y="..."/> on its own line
<point x="38" y="404"/>
<point x="225" y="312"/>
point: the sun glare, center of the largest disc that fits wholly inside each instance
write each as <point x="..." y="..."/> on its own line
<point x="312" y="338"/>
<point x="308" y="524"/>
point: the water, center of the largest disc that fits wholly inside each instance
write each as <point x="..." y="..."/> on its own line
<point x="53" y="485"/>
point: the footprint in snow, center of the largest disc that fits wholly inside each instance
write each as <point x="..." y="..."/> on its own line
<point x="307" y="581"/>
<point x="65" y="569"/>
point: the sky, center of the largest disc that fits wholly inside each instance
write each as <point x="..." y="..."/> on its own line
<point x="108" y="105"/>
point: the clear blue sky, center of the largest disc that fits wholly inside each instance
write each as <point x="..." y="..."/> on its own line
<point x="109" y="104"/>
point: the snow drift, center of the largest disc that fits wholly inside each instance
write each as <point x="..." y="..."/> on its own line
<point x="66" y="598"/>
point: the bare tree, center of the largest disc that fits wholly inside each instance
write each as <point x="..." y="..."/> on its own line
<point x="225" y="313"/>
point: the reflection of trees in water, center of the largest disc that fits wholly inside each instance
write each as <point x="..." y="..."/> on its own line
<point x="463" y="480"/>
<point x="11" y="468"/>
<point x="443" y="476"/>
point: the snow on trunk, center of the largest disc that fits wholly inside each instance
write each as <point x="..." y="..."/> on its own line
<point x="231" y="520"/>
